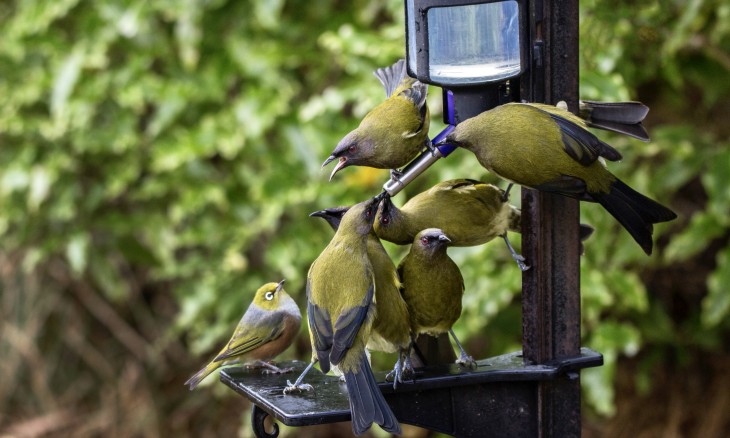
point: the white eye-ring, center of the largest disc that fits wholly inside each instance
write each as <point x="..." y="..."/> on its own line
<point x="269" y="296"/>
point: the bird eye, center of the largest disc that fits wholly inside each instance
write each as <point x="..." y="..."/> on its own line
<point x="368" y="213"/>
<point x="269" y="296"/>
<point x="385" y="220"/>
<point x="424" y="240"/>
<point x="352" y="149"/>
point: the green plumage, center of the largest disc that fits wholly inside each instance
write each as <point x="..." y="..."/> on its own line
<point x="432" y="284"/>
<point x="267" y="328"/>
<point x="391" y="330"/>
<point x="546" y="148"/>
<point x="392" y="133"/>
<point x="469" y="212"/>
<point x="340" y="291"/>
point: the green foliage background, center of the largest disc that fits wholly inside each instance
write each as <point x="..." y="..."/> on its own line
<point x="159" y="160"/>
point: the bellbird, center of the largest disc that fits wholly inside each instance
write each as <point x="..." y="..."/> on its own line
<point x="469" y="212"/>
<point x="267" y="328"/>
<point x="391" y="328"/>
<point x="392" y="133"/>
<point x="433" y="287"/>
<point x="552" y="151"/>
<point x="340" y="310"/>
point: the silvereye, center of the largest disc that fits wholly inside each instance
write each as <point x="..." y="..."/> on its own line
<point x="391" y="329"/>
<point x="392" y="133"/>
<point x="268" y="327"/>
<point x="552" y="151"/>
<point x="340" y="311"/>
<point x="433" y="287"/>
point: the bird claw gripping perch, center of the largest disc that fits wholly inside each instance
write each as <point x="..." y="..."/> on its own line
<point x="299" y="388"/>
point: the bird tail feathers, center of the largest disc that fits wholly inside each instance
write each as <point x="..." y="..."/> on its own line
<point x="367" y="404"/>
<point x="621" y="117"/>
<point x="202" y="374"/>
<point x="636" y="212"/>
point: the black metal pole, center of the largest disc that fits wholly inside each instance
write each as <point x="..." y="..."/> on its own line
<point x="550" y="241"/>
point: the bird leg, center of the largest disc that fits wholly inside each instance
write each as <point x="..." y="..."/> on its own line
<point x="271" y="368"/>
<point x="402" y="368"/>
<point x="298" y="386"/>
<point x="464" y="359"/>
<point x="431" y="147"/>
<point x="517" y="257"/>
<point x="395" y="175"/>
<point x="505" y="195"/>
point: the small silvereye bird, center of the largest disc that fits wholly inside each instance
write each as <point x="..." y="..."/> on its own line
<point x="340" y="310"/>
<point x="469" y="212"/>
<point x="391" y="328"/>
<point x="392" y="133"/>
<point x="433" y="287"/>
<point x="268" y="327"/>
<point x="552" y="151"/>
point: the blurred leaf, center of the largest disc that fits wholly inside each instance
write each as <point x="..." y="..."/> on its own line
<point x="716" y="305"/>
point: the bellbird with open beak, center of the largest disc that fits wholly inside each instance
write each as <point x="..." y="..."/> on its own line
<point x="267" y="328"/>
<point x="552" y="151"/>
<point x="392" y="133"/>
<point x="391" y="329"/>
<point x="433" y="287"/>
<point x="340" y="310"/>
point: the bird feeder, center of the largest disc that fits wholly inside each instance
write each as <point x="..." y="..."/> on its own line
<point x="483" y="54"/>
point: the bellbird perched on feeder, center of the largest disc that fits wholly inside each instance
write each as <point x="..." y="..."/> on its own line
<point x="267" y="328"/>
<point x="392" y="133"/>
<point x="469" y="212"/>
<point x="552" y="151"/>
<point x="391" y="329"/>
<point x="433" y="287"/>
<point x="340" y="311"/>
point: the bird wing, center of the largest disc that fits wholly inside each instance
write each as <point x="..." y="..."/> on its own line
<point x="348" y="325"/>
<point x="250" y="335"/>
<point x="416" y="94"/>
<point x="320" y="328"/>
<point x="579" y="143"/>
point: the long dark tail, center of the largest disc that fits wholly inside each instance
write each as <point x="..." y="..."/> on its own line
<point x="367" y="404"/>
<point x="635" y="212"/>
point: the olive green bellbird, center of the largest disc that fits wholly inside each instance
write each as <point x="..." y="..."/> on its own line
<point x="268" y="327"/>
<point x="391" y="329"/>
<point x="433" y="287"/>
<point x="469" y="212"/>
<point x="551" y="150"/>
<point x="392" y="133"/>
<point x="340" y="311"/>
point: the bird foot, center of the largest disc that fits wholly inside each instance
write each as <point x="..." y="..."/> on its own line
<point x="521" y="263"/>
<point x="277" y="370"/>
<point x="297" y="389"/>
<point x="395" y="175"/>
<point x="466" y="361"/>
<point x="431" y="148"/>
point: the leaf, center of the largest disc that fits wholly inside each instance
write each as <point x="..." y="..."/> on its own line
<point x="77" y="252"/>
<point x="716" y="305"/>
<point x="66" y="78"/>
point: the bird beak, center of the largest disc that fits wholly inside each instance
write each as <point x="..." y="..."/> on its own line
<point x="340" y="165"/>
<point x="328" y="160"/>
<point x="320" y="213"/>
<point x="444" y="238"/>
<point x="279" y="286"/>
